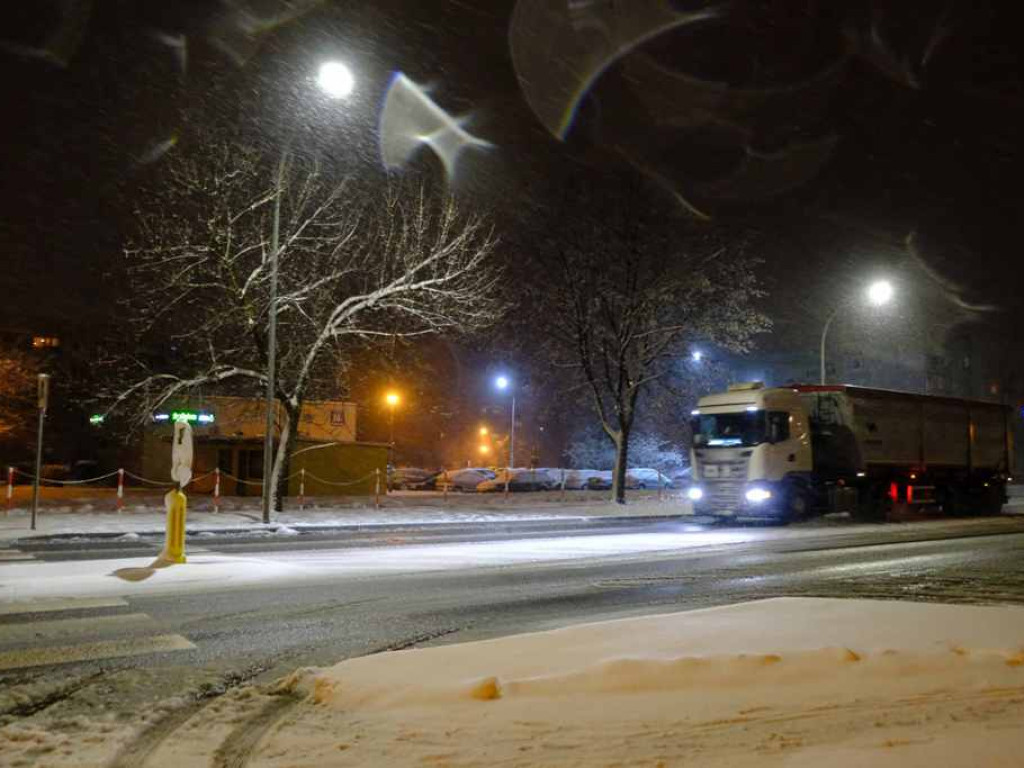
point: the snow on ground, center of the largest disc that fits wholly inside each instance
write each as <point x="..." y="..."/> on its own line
<point x="69" y="511"/>
<point x="796" y="682"/>
<point x="78" y="511"/>
<point x="209" y="571"/>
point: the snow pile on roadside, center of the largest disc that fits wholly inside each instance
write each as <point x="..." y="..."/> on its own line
<point x="792" y="681"/>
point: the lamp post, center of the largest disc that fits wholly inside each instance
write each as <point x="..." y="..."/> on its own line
<point x="392" y="399"/>
<point x="503" y="383"/>
<point x="43" y="399"/>
<point x="878" y="293"/>
<point x="336" y="81"/>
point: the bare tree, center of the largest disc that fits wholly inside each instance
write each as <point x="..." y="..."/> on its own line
<point x="355" y="266"/>
<point x="17" y="392"/>
<point x="631" y="293"/>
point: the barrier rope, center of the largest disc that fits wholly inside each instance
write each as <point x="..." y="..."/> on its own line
<point x="54" y="481"/>
<point x="340" y="485"/>
<point x="240" y="480"/>
<point x="158" y="483"/>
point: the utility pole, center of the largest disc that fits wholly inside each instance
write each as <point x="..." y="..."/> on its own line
<point x="268" y="438"/>
<point x="43" y="392"/>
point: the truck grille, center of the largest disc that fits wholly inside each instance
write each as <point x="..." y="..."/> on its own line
<point x="724" y="481"/>
<point x="725" y="494"/>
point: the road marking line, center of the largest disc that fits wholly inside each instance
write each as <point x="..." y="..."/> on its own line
<point x="107" y="649"/>
<point x="67" y="629"/>
<point x="60" y="604"/>
<point x="12" y="555"/>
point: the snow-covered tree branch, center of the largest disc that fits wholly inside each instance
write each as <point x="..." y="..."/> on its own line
<point x="354" y="264"/>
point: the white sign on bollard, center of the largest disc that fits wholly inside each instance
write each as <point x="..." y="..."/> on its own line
<point x="181" y="453"/>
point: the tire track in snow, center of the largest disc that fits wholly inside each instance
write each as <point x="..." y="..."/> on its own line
<point x="239" y="746"/>
<point x="136" y="753"/>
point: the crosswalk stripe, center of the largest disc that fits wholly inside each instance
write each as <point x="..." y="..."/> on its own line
<point x="64" y="629"/>
<point x="106" y="649"/>
<point x="49" y="605"/>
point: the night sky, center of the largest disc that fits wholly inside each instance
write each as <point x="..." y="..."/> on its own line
<point x="877" y="122"/>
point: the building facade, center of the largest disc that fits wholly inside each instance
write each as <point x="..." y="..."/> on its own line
<point x="228" y="434"/>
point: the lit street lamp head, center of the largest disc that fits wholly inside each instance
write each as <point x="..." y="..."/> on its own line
<point x="501" y="382"/>
<point x="336" y="80"/>
<point x="391" y="398"/>
<point x="880" y="292"/>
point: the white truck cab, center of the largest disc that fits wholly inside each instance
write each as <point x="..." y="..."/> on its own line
<point x="751" y="454"/>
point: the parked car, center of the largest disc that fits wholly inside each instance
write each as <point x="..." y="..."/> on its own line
<point x="412" y="478"/>
<point x="600" y="481"/>
<point x="645" y="477"/>
<point x="553" y="475"/>
<point x="680" y="477"/>
<point x="576" y="479"/>
<point x="518" y="480"/>
<point x="463" y="479"/>
<point x="636" y="479"/>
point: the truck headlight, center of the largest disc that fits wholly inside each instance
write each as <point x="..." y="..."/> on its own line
<point x="758" y="495"/>
<point x="695" y="493"/>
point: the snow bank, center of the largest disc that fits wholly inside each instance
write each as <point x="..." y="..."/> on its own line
<point x="793" y="682"/>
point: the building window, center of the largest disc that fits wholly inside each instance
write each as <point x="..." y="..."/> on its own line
<point x="45" y="342"/>
<point x="255" y="462"/>
<point x="337" y="418"/>
<point x="224" y="460"/>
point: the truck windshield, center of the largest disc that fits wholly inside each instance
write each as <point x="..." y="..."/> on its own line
<point x="720" y="430"/>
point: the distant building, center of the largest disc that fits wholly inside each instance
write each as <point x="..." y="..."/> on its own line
<point x="228" y="435"/>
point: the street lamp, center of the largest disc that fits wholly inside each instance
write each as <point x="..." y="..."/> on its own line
<point x="503" y="383"/>
<point x="337" y="81"/>
<point x="878" y="293"/>
<point x="483" y="431"/>
<point x="392" y="399"/>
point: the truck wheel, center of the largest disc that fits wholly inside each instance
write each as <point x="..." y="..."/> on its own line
<point x="990" y="502"/>
<point x="956" y="502"/>
<point x="794" y="507"/>
<point x="873" y="504"/>
<point x="797" y="504"/>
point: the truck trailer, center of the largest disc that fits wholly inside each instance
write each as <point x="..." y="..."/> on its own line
<point x="783" y="453"/>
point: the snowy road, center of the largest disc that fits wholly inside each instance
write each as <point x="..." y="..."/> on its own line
<point x="245" y="606"/>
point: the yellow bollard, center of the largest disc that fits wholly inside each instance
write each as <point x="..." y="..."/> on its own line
<point x="174" y="549"/>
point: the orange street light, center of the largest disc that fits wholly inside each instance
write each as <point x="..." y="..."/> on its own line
<point x="392" y="399"/>
<point x="484" y="450"/>
<point x="483" y="431"/>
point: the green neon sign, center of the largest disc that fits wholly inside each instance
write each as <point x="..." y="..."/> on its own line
<point x="193" y="417"/>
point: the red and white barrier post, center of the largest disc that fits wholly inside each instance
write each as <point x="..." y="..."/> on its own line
<point x="302" y="489"/>
<point x="120" y="490"/>
<point x="10" y="490"/>
<point x="216" y="489"/>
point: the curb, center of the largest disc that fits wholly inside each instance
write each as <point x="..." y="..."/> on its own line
<point x="305" y="528"/>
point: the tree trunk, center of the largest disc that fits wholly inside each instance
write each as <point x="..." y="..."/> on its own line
<point x="621" y="463"/>
<point x="282" y="460"/>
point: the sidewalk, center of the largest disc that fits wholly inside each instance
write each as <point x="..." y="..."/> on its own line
<point x="92" y="512"/>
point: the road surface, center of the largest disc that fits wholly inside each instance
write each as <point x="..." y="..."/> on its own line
<point x="70" y="631"/>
